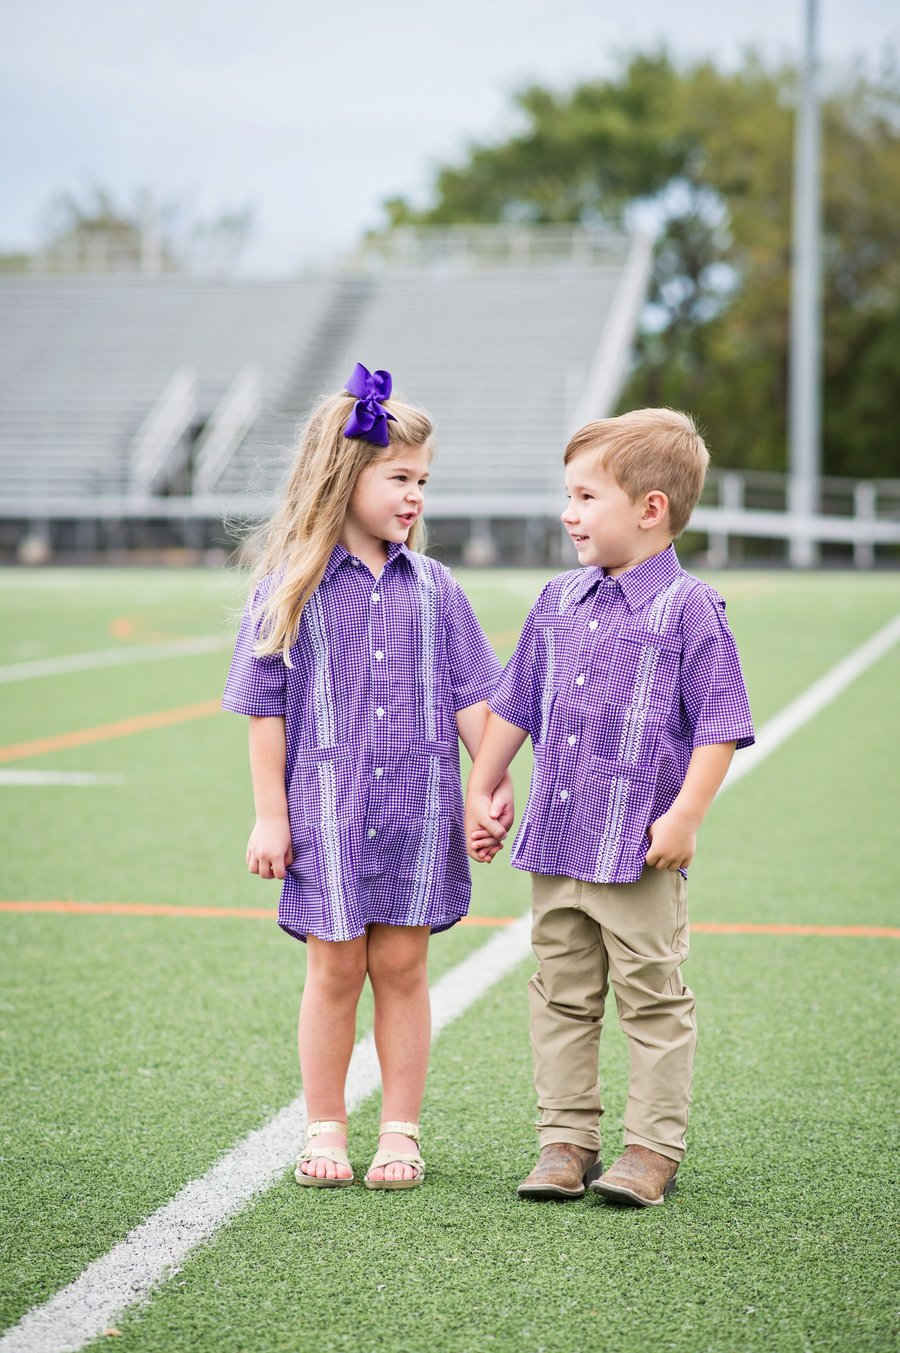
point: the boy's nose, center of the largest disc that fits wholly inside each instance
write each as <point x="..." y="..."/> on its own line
<point x="567" y="515"/>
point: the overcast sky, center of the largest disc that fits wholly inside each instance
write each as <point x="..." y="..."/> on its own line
<point x="315" y="112"/>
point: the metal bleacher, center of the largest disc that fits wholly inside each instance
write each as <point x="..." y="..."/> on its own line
<point x="172" y="398"/>
<point x="499" y="359"/>
<point x="83" y="360"/>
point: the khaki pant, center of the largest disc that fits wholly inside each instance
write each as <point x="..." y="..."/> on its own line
<point x="635" y="936"/>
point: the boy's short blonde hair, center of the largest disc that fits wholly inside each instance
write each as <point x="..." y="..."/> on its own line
<point x="649" y="449"/>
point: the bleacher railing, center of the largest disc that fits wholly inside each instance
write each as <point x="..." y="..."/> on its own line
<point x="737" y="505"/>
<point x="229" y="424"/>
<point x="473" y="247"/>
<point x="159" y="449"/>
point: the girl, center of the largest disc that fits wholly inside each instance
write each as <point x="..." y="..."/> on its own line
<point x="360" y="663"/>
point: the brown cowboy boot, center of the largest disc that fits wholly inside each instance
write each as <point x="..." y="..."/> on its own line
<point x="639" y="1178"/>
<point x="562" y="1172"/>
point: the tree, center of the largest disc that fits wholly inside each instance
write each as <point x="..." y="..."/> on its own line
<point x="96" y="232"/>
<point x="709" y="153"/>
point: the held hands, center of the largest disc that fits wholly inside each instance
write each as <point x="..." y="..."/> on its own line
<point x="269" y="851"/>
<point x="488" y="819"/>
<point x="673" y="841"/>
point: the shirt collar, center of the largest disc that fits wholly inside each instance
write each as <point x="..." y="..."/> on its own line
<point x="339" y="556"/>
<point x="644" y="582"/>
<point x="640" y="584"/>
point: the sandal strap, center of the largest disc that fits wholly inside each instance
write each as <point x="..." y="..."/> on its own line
<point x="320" y="1125"/>
<point x="336" y="1154"/>
<point x="382" y="1158"/>
<point x="405" y="1129"/>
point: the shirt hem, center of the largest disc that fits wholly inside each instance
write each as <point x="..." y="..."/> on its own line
<point x="436" y="928"/>
<point x="241" y="707"/>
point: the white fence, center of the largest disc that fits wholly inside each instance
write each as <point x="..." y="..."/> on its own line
<point x="737" y="507"/>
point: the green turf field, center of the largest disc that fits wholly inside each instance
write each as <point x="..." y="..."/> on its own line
<point x="136" y="1049"/>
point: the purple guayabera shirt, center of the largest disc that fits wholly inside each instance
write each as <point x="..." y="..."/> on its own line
<point x="617" y="680"/>
<point x="380" y="669"/>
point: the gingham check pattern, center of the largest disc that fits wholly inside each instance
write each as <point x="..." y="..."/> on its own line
<point x="380" y="669"/>
<point x="617" y="680"/>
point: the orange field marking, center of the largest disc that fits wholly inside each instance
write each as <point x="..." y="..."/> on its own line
<point x="139" y="909"/>
<point x="124" y="627"/>
<point x="58" y="742"/>
<point x="130" y="628"/>
<point x="269" y="914"/>
<point x="748" y="928"/>
<point x="161" y="909"/>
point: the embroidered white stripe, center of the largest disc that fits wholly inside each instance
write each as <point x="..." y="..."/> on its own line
<point x="569" y="588"/>
<point x="612" y="831"/>
<point x="335" y="898"/>
<point x="427" y="610"/>
<point x="427" y="856"/>
<point x="547" y="693"/>
<point x="323" y="702"/>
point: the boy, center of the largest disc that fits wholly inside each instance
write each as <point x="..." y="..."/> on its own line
<point x="626" y="677"/>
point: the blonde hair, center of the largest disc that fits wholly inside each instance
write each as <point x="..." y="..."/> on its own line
<point x="650" y="449"/>
<point x="294" y="547"/>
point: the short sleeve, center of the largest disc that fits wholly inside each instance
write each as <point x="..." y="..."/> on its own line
<point x="712" y="685"/>
<point x="255" y="685"/>
<point x="474" y="666"/>
<point x="518" y="697"/>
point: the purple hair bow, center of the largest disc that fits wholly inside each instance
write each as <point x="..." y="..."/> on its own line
<point x="368" y="419"/>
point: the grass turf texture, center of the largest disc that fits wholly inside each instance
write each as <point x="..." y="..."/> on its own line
<point x="137" y="1050"/>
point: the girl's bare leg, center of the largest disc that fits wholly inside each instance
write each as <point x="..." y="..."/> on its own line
<point x="398" y="971"/>
<point x="335" y="974"/>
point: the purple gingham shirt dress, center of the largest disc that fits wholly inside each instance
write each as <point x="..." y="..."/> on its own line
<point x="617" y="680"/>
<point x="380" y="669"/>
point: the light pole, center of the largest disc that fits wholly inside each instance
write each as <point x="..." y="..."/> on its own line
<point x="805" y="361"/>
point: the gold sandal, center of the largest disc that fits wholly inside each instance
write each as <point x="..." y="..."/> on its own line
<point x="389" y="1157"/>
<point x="336" y="1154"/>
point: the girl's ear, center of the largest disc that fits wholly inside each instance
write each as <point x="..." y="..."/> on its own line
<point x="656" y="509"/>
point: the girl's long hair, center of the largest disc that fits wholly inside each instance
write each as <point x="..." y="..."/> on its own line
<point x="295" y="545"/>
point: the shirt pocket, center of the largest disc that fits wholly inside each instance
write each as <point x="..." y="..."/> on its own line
<point x="614" y="808"/>
<point x="425" y="783"/>
<point x="640" y="669"/>
<point x="409" y="836"/>
<point x="624" y="736"/>
<point x="318" y="786"/>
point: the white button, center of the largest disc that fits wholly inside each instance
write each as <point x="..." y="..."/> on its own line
<point x="380" y="712"/>
<point x="592" y="624"/>
<point x="572" y="739"/>
<point x="376" y="597"/>
<point x="355" y="563"/>
<point x="579" y="680"/>
<point x="563" y="794"/>
<point x="378" y="655"/>
<point x="371" y="833"/>
<point x="379" y="771"/>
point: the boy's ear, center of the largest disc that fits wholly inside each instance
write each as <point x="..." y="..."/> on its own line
<point x="656" y="509"/>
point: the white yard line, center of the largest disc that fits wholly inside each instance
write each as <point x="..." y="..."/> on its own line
<point x="114" y="657"/>
<point x="153" y="1251"/>
<point x="37" y="779"/>
<point x="813" y="699"/>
